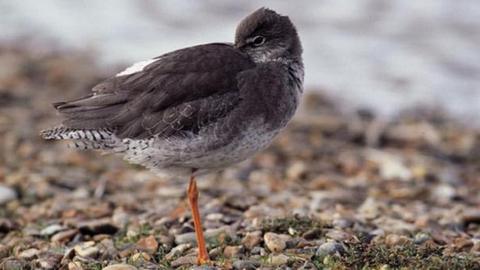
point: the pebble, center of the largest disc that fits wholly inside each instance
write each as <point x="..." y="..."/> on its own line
<point x="312" y="234"/>
<point x="120" y="218"/>
<point x="210" y="233"/>
<point x="395" y="239"/>
<point x="391" y="166"/>
<point x="252" y="239"/>
<point x="471" y="216"/>
<point x="28" y="254"/>
<point x="86" y="249"/>
<point x="245" y="265"/>
<point x="12" y="264"/>
<point x="232" y="251"/>
<point x="50" y="261"/>
<point x="278" y="259"/>
<point x="7" y="194"/>
<point x="204" y="267"/>
<point x="52" y="229"/>
<point x="329" y="248"/>
<point x="97" y="226"/>
<point x="140" y="257"/>
<point x="184" y="260"/>
<point x="120" y="266"/>
<point x="421" y="238"/>
<point x="338" y="235"/>
<point x="64" y="236"/>
<point x="297" y="170"/>
<point x="178" y="250"/>
<point x="148" y="243"/>
<point x="258" y="250"/>
<point x="6" y="225"/>
<point x="275" y="242"/>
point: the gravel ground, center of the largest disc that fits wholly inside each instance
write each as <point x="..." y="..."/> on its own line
<point x="334" y="191"/>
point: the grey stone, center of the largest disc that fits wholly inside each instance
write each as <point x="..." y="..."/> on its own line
<point x="7" y="194"/>
<point x="120" y="266"/>
<point x="252" y="239"/>
<point x="177" y="251"/>
<point x="278" y="259"/>
<point x="275" y="242"/>
<point x="52" y="229"/>
<point x="245" y="265"/>
<point x="329" y="248"/>
<point x="212" y="233"/>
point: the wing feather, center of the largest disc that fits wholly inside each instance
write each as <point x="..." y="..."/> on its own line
<point x="177" y="93"/>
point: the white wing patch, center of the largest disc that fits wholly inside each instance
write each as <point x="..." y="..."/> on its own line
<point x="137" y="67"/>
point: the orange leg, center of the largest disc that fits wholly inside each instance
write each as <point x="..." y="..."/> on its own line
<point x="193" y="200"/>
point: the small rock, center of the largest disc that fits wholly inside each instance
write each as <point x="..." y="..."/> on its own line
<point x="232" y="251"/>
<point x="278" y="259"/>
<point x="6" y="225"/>
<point x="275" y="242"/>
<point x="329" y="248"/>
<point x="166" y="239"/>
<point x="184" y="261"/>
<point x="52" y="229"/>
<point x="312" y="234"/>
<point x="391" y="166"/>
<point x="148" y="243"/>
<point x="120" y="266"/>
<point x="86" y="249"/>
<point x="421" y="238"/>
<point x="75" y="266"/>
<point x="211" y="233"/>
<point x="471" y="217"/>
<point x="308" y="266"/>
<point x="338" y="235"/>
<point x="204" y="267"/>
<point x="97" y="226"/>
<point x="177" y="251"/>
<point x="64" y="236"/>
<point x="215" y="252"/>
<point x="297" y="170"/>
<point x="12" y="264"/>
<point x="443" y="193"/>
<point x="120" y="218"/>
<point x="7" y="194"/>
<point x="370" y="208"/>
<point x="395" y="239"/>
<point x="50" y="261"/>
<point x="342" y="223"/>
<point x="28" y="254"/>
<point x="141" y="257"/>
<point x="252" y="239"/>
<point x="258" y="251"/>
<point x="245" y="265"/>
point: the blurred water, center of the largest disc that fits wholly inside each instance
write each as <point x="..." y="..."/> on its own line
<point x="383" y="54"/>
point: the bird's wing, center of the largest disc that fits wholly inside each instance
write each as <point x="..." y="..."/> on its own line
<point x="178" y="91"/>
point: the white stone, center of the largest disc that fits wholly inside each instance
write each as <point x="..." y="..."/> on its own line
<point x="7" y="194"/>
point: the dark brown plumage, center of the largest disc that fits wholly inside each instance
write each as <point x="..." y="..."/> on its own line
<point x="173" y="89"/>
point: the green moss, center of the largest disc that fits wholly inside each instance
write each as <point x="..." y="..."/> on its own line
<point x="410" y="256"/>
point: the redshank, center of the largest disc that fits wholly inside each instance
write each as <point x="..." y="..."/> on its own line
<point x="197" y="109"/>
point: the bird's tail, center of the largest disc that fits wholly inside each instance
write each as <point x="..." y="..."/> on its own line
<point x="103" y="139"/>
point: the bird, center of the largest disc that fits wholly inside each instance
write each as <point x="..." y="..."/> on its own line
<point x="195" y="110"/>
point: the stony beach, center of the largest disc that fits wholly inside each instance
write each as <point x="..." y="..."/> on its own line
<point x="334" y="191"/>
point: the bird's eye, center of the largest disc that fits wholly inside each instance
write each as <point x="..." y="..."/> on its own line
<point x="258" y="40"/>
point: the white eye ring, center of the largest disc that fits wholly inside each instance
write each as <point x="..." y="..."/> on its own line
<point x="257" y="41"/>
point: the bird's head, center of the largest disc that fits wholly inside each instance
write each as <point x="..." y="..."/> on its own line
<point x="267" y="36"/>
